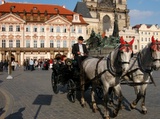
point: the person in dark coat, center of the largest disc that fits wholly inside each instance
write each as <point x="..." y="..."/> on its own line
<point x="79" y="51"/>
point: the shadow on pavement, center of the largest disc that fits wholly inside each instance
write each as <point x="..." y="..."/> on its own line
<point x="1" y="81"/>
<point x="42" y="100"/>
<point x="16" y="115"/>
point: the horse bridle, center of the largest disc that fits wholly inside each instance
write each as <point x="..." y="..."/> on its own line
<point x="127" y="46"/>
<point x="158" y="48"/>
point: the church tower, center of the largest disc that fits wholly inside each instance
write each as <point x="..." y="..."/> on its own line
<point x="105" y="11"/>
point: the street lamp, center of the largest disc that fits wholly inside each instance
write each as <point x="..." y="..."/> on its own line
<point x="9" y="66"/>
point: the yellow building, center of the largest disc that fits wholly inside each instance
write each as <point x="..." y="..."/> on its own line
<point x="38" y="31"/>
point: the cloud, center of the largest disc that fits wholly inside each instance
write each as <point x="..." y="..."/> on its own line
<point x="139" y="15"/>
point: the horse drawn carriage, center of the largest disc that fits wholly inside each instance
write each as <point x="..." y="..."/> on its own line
<point x="68" y="74"/>
<point x="119" y="65"/>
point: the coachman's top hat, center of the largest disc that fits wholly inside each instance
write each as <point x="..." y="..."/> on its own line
<point x="80" y="38"/>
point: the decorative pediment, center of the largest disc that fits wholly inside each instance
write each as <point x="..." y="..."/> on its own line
<point x="10" y="37"/>
<point x="18" y="36"/>
<point x="28" y="37"/>
<point x="51" y="37"/>
<point x="3" y="36"/>
<point x="11" y="18"/>
<point x="42" y="37"/>
<point x="58" y="20"/>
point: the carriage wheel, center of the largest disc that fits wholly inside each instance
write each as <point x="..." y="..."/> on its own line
<point x="71" y="86"/>
<point x="99" y="92"/>
<point x="54" y="82"/>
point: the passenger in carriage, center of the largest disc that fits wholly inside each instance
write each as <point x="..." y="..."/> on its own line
<point x="79" y="51"/>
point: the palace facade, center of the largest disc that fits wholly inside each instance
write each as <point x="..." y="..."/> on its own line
<point x="38" y="31"/>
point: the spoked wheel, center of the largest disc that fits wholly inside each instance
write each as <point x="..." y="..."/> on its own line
<point x="71" y="86"/>
<point x="99" y="92"/>
<point x="54" y="82"/>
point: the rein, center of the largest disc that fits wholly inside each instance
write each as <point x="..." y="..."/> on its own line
<point x="145" y="70"/>
<point x="110" y="69"/>
<point x="142" y="69"/>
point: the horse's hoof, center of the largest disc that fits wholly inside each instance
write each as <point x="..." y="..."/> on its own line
<point x="94" y="110"/>
<point x="107" y="117"/>
<point x="132" y="106"/>
<point x="144" y="111"/>
<point x="83" y="105"/>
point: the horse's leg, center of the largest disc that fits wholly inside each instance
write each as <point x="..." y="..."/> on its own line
<point x="82" y="88"/>
<point x="139" y="95"/>
<point x="118" y="93"/>
<point x="144" y="109"/>
<point x="94" y="105"/>
<point x="106" y="100"/>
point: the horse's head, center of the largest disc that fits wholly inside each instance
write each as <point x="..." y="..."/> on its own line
<point x="155" y="53"/>
<point x="125" y="53"/>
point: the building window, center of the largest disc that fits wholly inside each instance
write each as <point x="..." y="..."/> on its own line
<point x="10" y="28"/>
<point x="51" y="43"/>
<point x="35" y="43"/>
<point x="51" y="29"/>
<point x="42" y="44"/>
<point x="27" y="43"/>
<point x="142" y="46"/>
<point x="58" y="43"/>
<point x="64" y="43"/>
<point x="18" y="43"/>
<point x="35" y="29"/>
<point x="119" y="1"/>
<point x="142" y="39"/>
<point x="58" y="29"/>
<point x="79" y="30"/>
<point x="72" y="29"/>
<point x="135" y="47"/>
<point x="42" y="29"/>
<point x="72" y="42"/>
<point x="3" y="28"/>
<point x="27" y="29"/>
<point x="18" y="28"/>
<point x="3" y="43"/>
<point x="64" y="30"/>
<point x="11" y="43"/>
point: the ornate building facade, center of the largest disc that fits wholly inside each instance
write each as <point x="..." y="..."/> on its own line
<point x="100" y="14"/>
<point x="38" y="31"/>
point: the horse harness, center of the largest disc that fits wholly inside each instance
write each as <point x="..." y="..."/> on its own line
<point x="148" y="71"/>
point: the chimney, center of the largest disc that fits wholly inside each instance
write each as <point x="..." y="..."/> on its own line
<point x="3" y="1"/>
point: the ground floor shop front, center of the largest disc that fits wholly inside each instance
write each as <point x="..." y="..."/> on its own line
<point x="19" y="54"/>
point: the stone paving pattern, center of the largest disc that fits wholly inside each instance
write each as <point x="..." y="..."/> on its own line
<point x="29" y="96"/>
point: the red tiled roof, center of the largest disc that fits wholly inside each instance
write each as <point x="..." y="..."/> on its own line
<point x="38" y="9"/>
<point x="139" y="25"/>
<point x="20" y="7"/>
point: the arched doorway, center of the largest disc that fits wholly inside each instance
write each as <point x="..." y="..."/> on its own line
<point x="12" y="57"/>
<point x="106" y="23"/>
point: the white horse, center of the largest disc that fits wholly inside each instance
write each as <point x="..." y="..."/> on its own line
<point x="141" y="67"/>
<point x="107" y="72"/>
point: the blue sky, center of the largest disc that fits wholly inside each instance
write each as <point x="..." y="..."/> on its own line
<point x="141" y="11"/>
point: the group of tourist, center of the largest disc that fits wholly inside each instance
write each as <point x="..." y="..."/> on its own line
<point x="33" y="64"/>
<point x="4" y="65"/>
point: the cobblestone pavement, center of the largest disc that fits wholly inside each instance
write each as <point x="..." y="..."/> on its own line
<point x="29" y="96"/>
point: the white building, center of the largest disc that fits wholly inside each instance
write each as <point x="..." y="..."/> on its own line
<point x="38" y="31"/>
